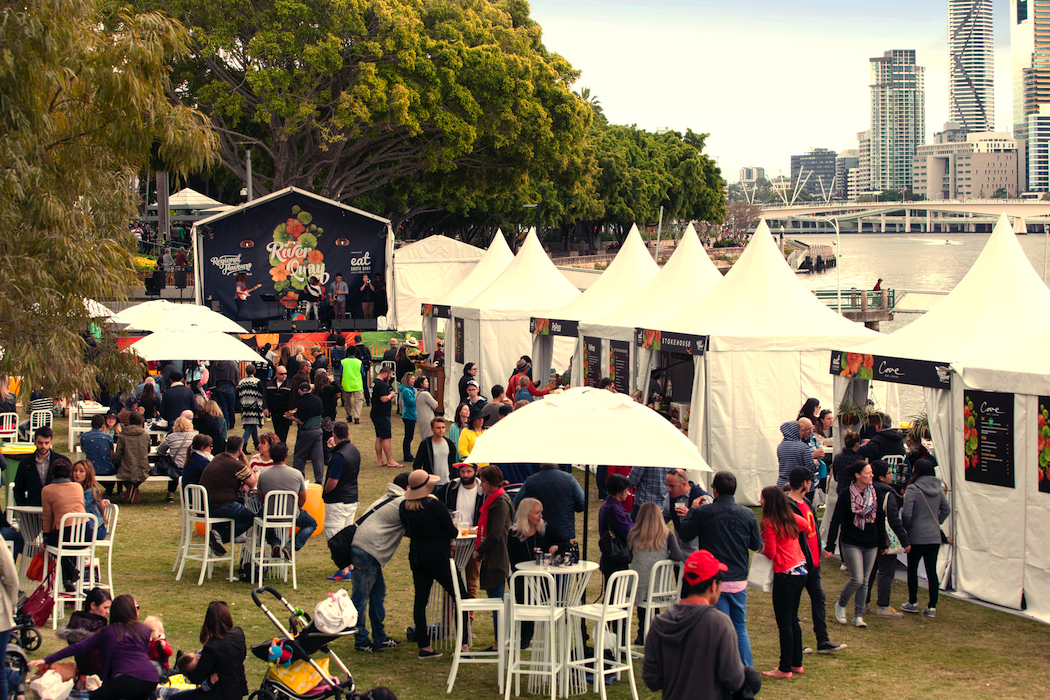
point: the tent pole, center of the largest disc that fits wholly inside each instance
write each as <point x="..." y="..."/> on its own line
<point x="587" y="504"/>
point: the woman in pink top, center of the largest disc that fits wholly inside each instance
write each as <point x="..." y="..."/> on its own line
<point x="780" y="532"/>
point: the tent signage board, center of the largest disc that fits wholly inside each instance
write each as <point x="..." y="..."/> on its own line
<point x="459" y="340"/>
<point x="988" y="433"/>
<point x="899" y="370"/>
<point x="1042" y="431"/>
<point x="554" y="326"/>
<point x="592" y="366"/>
<point x="619" y="365"/>
<point x="652" y="339"/>
<point x="436" y="311"/>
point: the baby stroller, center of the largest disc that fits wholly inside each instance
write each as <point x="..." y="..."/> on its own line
<point x="302" y="638"/>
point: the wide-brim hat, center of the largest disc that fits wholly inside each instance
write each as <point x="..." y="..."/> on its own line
<point x="420" y="485"/>
<point x="412" y="342"/>
<point x="475" y="414"/>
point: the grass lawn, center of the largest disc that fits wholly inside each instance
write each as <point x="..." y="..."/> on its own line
<point x="967" y="652"/>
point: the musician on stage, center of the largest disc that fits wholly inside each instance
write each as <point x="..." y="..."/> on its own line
<point x="242" y="292"/>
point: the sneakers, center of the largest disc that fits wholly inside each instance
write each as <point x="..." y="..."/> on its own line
<point x="287" y="550"/>
<point x="807" y="650"/>
<point x="275" y="551"/>
<point x="389" y="643"/>
<point x="432" y="654"/>
<point x="369" y="649"/>
<point x="170" y="498"/>
<point x="339" y="576"/>
<point x="858" y="621"/>
<point x="829" y="647"/>
<point x="215" y="542"/>
<point x="929" y="612"/>
<point x="887" y="611"/>
<point x="777" y="673"/>
<point x="910" y="608"/>
<point x="840" y="614"/>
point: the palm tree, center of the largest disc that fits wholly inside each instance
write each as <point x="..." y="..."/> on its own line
<point x="595" y="104"/>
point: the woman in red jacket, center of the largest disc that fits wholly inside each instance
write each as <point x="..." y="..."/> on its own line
<point x="780" y="532"/>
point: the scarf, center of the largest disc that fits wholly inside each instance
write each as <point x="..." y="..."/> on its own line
<point x="863" y="505"/>
<point x="483" y="516"/>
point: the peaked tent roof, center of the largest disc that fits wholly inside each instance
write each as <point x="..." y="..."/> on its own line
<point x="631" y="269"/>
<point x="1023" y="368"/>
<point x="489" y="268"/>
<point x="530" y="283"/>
<point x="688" y="275"/>
<point x="1001" y="293"/>
<point x="437" y="249"/>
<point x="189" y="198"/>
<point x="761" y="305"/>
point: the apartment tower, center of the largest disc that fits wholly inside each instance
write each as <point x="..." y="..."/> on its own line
<point x="970" y="59"/>
<point x="898" y="118"/>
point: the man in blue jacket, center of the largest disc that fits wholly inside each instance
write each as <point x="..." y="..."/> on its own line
<point x="560" y="494"/>
<point x="727" y="530"/>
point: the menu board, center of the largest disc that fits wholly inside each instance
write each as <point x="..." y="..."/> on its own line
<point x="459" y="340"/>
<point x="988" y="434"/>
<point x="619" y="361"/>
<point x="1042" y="431"/>
<point x="592" y="366"/>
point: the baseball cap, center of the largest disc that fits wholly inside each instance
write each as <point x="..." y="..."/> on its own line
<point x="472" y="383"/>
<point x="701" y="566"/>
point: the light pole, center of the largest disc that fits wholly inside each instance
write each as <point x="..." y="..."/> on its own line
<point x="248" y="165"/>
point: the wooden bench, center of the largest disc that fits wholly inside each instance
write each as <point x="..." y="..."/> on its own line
<point x="112" y="479"/>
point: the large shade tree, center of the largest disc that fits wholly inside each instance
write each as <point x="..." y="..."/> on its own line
<point x="83" y="109"/>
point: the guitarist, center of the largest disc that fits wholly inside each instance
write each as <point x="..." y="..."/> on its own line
<point x="242" y="292"/>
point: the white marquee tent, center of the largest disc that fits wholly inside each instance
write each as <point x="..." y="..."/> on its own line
<point x="767" y="347"/>
<point x="686" y="277"/>
<point x="630" y="271"/>
<point x="495" y="324"/>
<point x="485" y="272"/>
<point x="1000" y="299"/>
<point x="427" y="270"/>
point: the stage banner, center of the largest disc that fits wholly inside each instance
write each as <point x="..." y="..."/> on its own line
<point x="619" y="363"/>
<point x="1042" y="431"/>
<point x="988" y="432"/>
<point x="592" y="366"/>
<point x="278" y="243"/>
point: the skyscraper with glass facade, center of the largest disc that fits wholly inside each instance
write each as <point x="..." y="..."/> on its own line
<point x="898" y="118"/>
<point x="970" y="62"/>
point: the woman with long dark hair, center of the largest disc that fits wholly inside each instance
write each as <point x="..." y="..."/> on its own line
<point x="460" y="422"/>
<point x="125" y="668"/>
<point x="810" y="409"/>
<point x="780" y="543"/>
<point x="82" y="624"/>
<point x="223" y="656"/>
<point x="148" y="400"/>
<point x="843" y="460"/>
<point x="863" y="522"/>
<point x="925" y="508"/>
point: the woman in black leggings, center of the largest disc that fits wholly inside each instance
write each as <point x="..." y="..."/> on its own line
<point x="126" y="669"/>
<point x="925" y="508"/>
<point x="429" y="527"/>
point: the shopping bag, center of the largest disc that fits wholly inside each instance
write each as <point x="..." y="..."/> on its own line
<point x="41" y="603"/>
<point x="35" y="570"/>
<point x="300" y="677"/>
<point x="760" y="575"/>
<point x="50" y="686"/>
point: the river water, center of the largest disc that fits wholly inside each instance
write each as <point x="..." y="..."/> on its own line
<point x="913" y="262"/>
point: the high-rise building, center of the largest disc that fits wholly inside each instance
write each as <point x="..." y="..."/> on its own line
<point x="970" y="62"/>
<point x="749" y="175"/>
<point x="863" y="179"/>
<point x="898" y="118"/>
<point x="1030" y="49"/>
<point x="1038" y="129"/>
<point x="814" y="170"/>
<point x="845" y="161"/>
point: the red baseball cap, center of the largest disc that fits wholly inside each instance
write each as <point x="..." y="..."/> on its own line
<point x="702" y="565"/>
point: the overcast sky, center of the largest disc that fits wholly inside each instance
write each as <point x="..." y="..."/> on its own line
<point x="766" y="78"/>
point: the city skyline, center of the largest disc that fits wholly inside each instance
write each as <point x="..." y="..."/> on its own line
<point x="768" y="80"/>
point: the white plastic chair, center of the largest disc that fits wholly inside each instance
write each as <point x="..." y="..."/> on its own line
<point x="539" y="606"/>
<point x="479" y="605"/>
<point x="110" y="516"/>
<point x="197" y="511"/>
<point x="79" y="544"/>
<point x="183" y="546"/>
<point x="665" y="587"/>
<point x="616" y="609"/>
<point x="8" y="427"/>
<point x="278" y="515"/>
<point x="38" y="419"/>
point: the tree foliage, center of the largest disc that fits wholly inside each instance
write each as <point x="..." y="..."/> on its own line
<point x="83" y="109"/>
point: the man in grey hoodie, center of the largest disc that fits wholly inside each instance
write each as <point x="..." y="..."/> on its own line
<point x="691" y="648"/>
<point x="794" y="450"/>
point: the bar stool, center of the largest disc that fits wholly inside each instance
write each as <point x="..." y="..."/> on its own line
<point x="197" y="511"/>
<point x="476" y="605"/>
<point x="617" y="610"/>
<point x="537" y="605"/>
<point x="277" y="515"/>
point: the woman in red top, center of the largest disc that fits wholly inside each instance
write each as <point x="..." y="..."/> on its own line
<point x="780" y="532"/>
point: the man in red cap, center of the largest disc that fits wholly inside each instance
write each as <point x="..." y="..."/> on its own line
<point x="691" y="649"/>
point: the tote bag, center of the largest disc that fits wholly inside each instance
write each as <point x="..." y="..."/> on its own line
<point x="760" y="575"/>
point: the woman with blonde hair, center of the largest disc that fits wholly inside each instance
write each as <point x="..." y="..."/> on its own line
<point x="178" y="443"/>
<point x="529" y="533"/>
<point x="650" y="541"/>
<point x="210" y="422"/>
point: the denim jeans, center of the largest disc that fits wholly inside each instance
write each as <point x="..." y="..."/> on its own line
<point x="859" y="562"/>
<point x="18" y="542"/>
<point x="305" y="525"/>
<point x="226" y="396"/>
<point x="496" y="593"/>
<point x="735" y="605"/>
<point x="242" y="518"/>
<point x="4" y="638"/>
<point x="369" y="590"/>
<point x="250" y="431"/>
<point x="308" y="446"/>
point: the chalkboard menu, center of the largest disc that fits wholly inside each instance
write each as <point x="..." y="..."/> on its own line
<point x="988" y="434"/>
<point x="1042" y="432"/>
<point x="592" y="366"/>
<point x="619" y="361"/>
<point x="459" y="340"/>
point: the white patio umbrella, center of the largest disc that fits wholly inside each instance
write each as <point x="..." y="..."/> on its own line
<point x="97" y="309"/>
<point x="193" y="344"/>
<point x="162" y="315"/>
<point x="587" y="426"/>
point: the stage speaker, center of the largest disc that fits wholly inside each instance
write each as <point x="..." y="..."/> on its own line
<point x="281" y="326"/>
<point x="366" y="324"/>
<point x="181" y="279"/>
<point x="342" y="325"/>
<point x="246" y="325"/>
<point x="215" y="305"/>
<point x="306" y="325"/>
<point x="155" y="283"/>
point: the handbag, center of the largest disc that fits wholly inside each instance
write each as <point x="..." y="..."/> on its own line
<point x="35" y="570"/>
<point x="41" y="603"/>
<point x="891" y="536"/>
<point x="343" y="540"/>
<point x="335" y="613"/>
<point x="165" y="466"/>
<point x="614" y="549"/>
<point x="944" y="538"/>
<point x="760" y="575"/>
